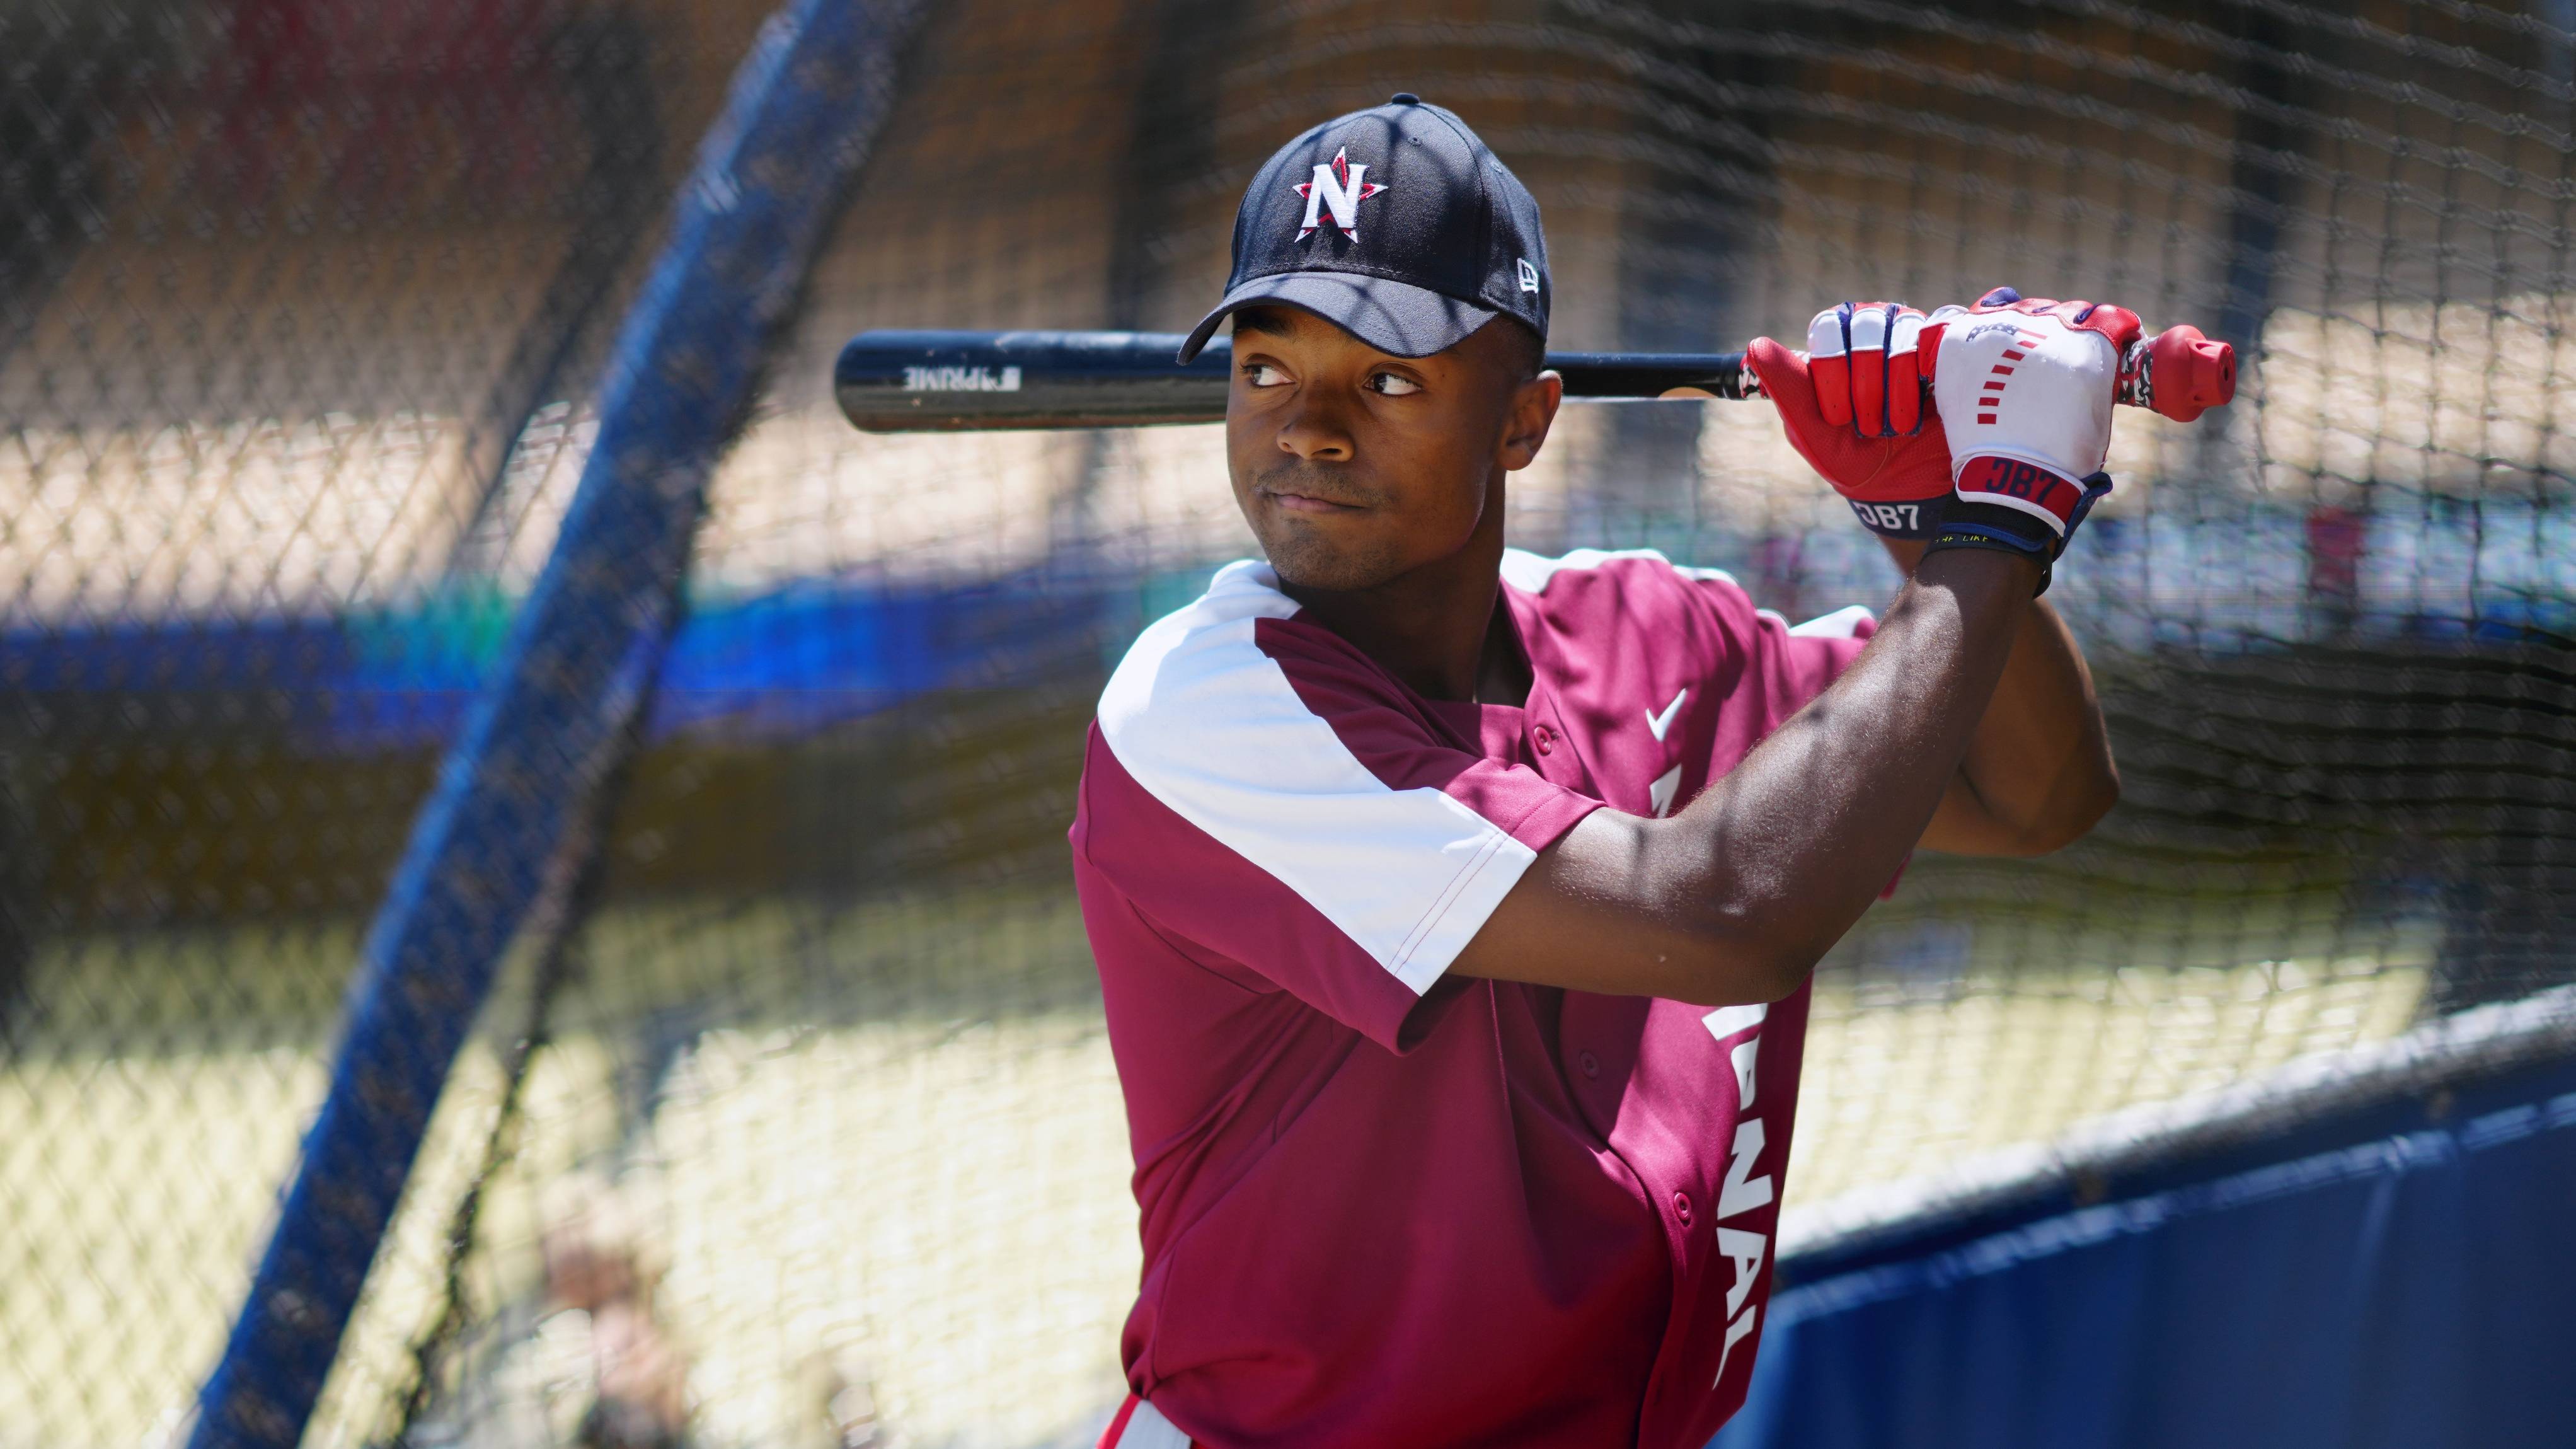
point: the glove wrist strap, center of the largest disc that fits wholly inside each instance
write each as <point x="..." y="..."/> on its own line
<point x="1993" y="526"/>
<point x="1901" y="518"/>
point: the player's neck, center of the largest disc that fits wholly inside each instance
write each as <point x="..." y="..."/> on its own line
<point x="1435" y="627"/>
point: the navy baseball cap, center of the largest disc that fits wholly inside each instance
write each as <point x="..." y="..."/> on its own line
<point x="1397" y="224"/>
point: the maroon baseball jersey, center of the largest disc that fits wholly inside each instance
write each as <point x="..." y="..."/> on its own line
<point x="1383" y="1205"/>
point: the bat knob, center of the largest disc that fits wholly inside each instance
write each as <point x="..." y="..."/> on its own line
<point x="2189" y="373"/>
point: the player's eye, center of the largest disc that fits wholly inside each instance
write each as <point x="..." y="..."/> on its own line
<point x="1262" y="374"/>
<point x="1392" y="385"/>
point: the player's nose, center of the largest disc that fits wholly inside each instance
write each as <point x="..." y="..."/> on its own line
<point x="1314" y="429"/>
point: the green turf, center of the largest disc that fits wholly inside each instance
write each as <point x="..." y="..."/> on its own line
<point x="893" y="1131"/>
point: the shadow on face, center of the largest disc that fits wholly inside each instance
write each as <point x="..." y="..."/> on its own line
<point x="1355" y="466"/>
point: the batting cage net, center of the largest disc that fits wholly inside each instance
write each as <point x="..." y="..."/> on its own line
<point x="793" y="1081"/>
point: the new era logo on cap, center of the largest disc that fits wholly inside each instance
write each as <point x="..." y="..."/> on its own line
<point x="1395" y="223"/>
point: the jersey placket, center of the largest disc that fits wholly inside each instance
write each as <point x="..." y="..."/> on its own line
<point x="1598" y="1039"/>
<point x="1598" y="1042"/>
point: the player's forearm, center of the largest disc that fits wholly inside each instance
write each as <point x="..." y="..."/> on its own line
<point x="2038" y="771"/>
<point x="1798" y="840"/>
<point x="2039" y="762"/>
<point x="1735" y="898"/>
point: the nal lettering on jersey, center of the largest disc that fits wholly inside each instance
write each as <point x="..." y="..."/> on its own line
<point x="1660" y="794"/>
<point x="1339" y="189"/>
<point x="1746" y="1187"/>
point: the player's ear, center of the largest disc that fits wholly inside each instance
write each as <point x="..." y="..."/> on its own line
<point x="1526" y="421"/>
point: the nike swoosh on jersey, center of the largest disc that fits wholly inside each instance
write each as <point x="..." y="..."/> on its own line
<point x="1658" y="723"/>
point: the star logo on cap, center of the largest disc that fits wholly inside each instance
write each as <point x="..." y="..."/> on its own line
<point x="1339" y="189"/>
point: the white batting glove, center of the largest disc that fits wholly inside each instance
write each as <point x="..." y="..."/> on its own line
<point x="2024" y="390"/>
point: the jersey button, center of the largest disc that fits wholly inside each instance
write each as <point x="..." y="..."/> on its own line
<point x="1590" y="1064"/>
<point x="1681" y="1207"/>
<point x="1544" y="738"/>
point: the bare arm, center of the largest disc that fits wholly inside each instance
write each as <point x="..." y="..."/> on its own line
<point x="1735" y="898"/>
<point x="2038" y="771"/>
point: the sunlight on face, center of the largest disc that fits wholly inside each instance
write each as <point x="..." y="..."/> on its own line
<point x="1354" y="466"/>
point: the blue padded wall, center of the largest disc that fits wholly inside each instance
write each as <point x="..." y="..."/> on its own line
<point x="2402" y="1275"/>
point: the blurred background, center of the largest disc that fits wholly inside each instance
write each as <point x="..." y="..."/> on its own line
<point x="797" y="1089"/>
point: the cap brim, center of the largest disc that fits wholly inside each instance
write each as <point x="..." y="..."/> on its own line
<point x="1396" y="318"/>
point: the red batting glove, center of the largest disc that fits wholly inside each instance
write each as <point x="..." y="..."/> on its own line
<point x="1853" y="407"/>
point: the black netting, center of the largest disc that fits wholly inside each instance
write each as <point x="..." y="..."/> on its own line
<point x="302" y="310"/>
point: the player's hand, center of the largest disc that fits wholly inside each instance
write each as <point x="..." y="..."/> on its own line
<point x="1853" y="407"/>
<point x="2025" y="388"/>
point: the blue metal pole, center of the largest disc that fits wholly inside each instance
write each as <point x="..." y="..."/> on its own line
<point x="806" y="106"/>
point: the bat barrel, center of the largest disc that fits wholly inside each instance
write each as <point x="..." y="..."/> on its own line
<point x="891" y="381"/>
<point x="909" y="382"/>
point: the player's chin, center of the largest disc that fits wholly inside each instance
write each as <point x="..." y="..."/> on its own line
<point x="1325" y="555"/>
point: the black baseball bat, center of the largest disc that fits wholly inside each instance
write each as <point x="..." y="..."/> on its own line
<point x="893" y="381"/>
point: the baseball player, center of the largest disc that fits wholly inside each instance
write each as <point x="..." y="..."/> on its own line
<point x="1454" y="907"/>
